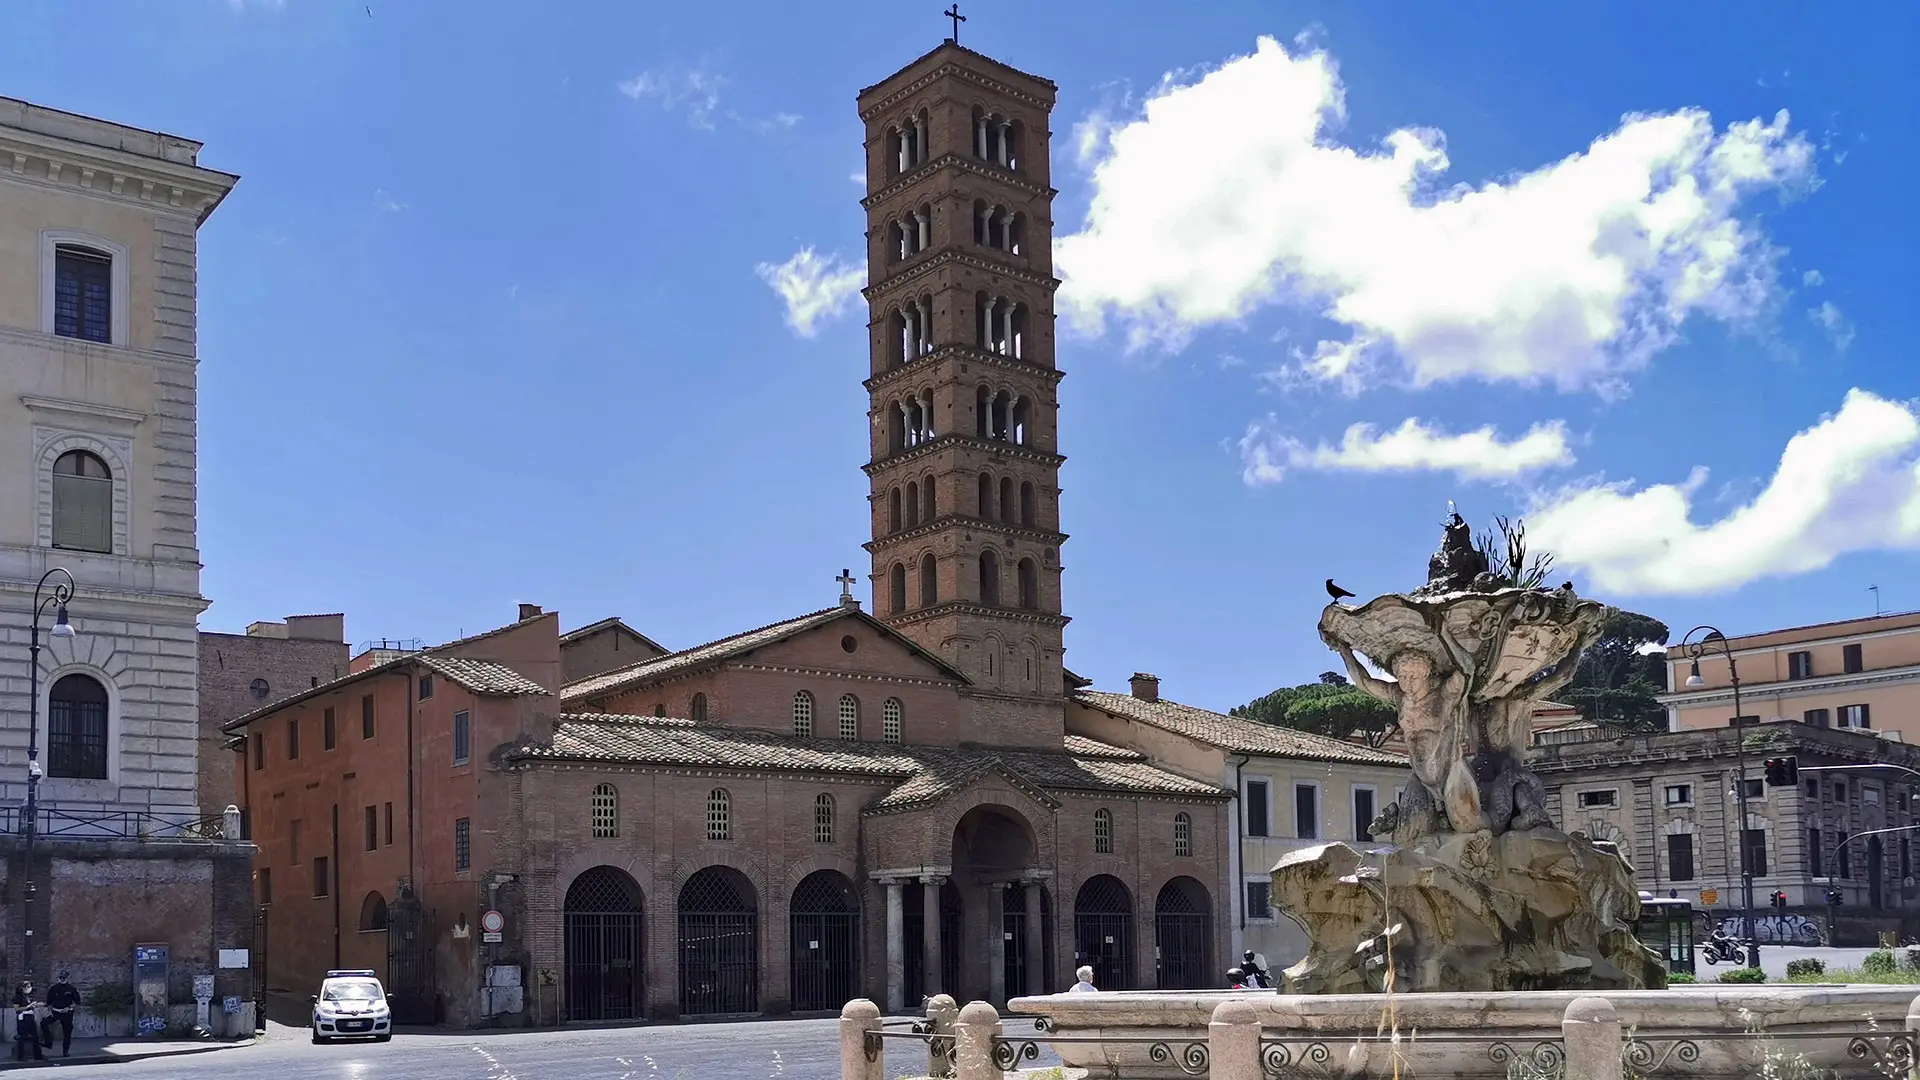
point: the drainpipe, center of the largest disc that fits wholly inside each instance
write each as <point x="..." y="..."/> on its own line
<point x="1237" y="889"/>
<point x="333" y="868"/>
<point x="412" y="873"/>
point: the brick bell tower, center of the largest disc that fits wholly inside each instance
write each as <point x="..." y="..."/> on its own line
<point x="965" y="466"/>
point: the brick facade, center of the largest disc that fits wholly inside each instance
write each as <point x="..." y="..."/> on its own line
<point x="241" y="672"/>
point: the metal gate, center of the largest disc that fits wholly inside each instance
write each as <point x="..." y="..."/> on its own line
<point x="719" y="944"/>
<point x="826" y="942"/>
<point x="412" y="981"/>
<point x="951" y="940"/>
<point x="1103" y="932"/>
<point x="605" y="971"/>
<point x="259" y="960"/>
<point x="1182" y="925"/>
<point x="1014" y="924"/>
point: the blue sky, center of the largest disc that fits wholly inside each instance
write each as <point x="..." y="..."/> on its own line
<point x="482" y="322"/>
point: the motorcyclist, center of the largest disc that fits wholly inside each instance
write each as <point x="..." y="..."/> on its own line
<point x="1721" y="942"/>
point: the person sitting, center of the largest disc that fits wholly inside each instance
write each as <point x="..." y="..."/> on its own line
<point x="1257" y="977"/>
<point x="1085" y="985"/>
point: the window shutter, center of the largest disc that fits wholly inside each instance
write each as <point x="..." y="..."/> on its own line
<point x="1866" y="716"/>
<point x="82" y="512"/>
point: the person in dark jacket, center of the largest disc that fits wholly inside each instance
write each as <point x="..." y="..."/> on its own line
<point x="61" y="998"/>
<point x="26" y="1032"/>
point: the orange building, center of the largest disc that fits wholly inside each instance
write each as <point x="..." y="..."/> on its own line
<point x="1856" y="674"/>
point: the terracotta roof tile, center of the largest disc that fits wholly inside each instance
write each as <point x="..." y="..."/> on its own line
<point x="1236" y="734"/>
<point x="479" y="676"/>
<point x="1082" y="746"/>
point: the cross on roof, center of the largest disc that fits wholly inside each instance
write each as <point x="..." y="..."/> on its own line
<point x="846" y="580"/>
<point x="954" y="14"/>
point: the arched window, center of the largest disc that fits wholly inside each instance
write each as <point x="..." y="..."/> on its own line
<point x="659" y="710"/>
<point x="373" y="913"/>
<point x="1103" y="831"/>
<point x="986" y="497"/>
<point x="1029" y="585"/>
<point x="719" y="814"/>
<point x="823" y="818"/>
<point x="697" y="710"/>
<point x="849" y="716"/>
<point x="892" y="720"/>
<point x="913" y="503"/>
<point x="803" y="713"/>
<point x="897" y="589"/>
<point x="606" y="812"/>
<point x="929" y="581"/>
<point x="82" y="502"/>
<point x="893" y="510"/>
<point x="1182" y="834"/>
<point x="1026" y="503"/>
<point x="77" y="728"/>
<point x="989" y="578"/>
<point x="982" y="412"/>
<point x="926" y="499"/>
<point x="1006" y="499"/>
<point x="896" y="427"/>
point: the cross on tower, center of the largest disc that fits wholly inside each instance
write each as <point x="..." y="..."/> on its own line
<point x="954" y="14"/>
<point x="846" y="580"/>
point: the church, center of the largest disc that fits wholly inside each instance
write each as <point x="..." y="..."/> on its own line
<point x="914" y="799"/>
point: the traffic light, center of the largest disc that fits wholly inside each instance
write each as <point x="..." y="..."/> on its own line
<point x="1782" y="771"/>
<point x="1833" y="897"/>
<point x="1780" y="900"/>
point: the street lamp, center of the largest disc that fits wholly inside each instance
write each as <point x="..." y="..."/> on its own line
<point x="1693" y="649"/>
<point x="57" y="598"/>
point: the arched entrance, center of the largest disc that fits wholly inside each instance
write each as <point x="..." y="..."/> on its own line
<point x="825" y="925"/>
<point x="601" y="921"/>
<point x="1103" y="931"/>
<point x="1182" y="934"/>
<point x="719" y="944"/>
<point x="993" y="848"/>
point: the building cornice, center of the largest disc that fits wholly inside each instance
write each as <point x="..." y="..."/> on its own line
<point x="961" y="257"/>
<point x="971" y="354"/>
<point x="33" y="339"/>
<point x="831" y="673"/>
<point x="120" y="421"/>
<point x="45" y="161"/>
<point x="962" y="73"/>
<point x="952" y="440"/>
<point x="1719" y="745"/>
<point x="907" y="537"/>
<point x="970" y="607"/>
<point x="961" y="163"/>
<point x="1710" y="695"/>
<point x="93" y="594"/>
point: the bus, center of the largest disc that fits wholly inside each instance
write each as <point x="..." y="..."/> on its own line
<point x="1665" y="925"/>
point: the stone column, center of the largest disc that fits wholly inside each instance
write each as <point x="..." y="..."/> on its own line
<point x="925" y="307"/>
<point x="1006" y="139"/>
<point x="1590" y="1031"/>
<point x="1233" y="1042"/>
<point x="896" y="946"/>
<point x="979" y="1026"/>
<point x="986" y="326"/>
<point x="997" y="941"/>
<point x="919" y="140"/>
<point x="924" y="229"/>
<point x="980" y="138"/>
<point x="1006" y="333"/>
<point x="926" y="414"/>
<point x="1036" y="942"/>
<point x="859" y="1018"/>
<point x="930" y="932"/>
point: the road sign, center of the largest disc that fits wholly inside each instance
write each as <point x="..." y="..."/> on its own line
<point x="493" y="922"/>
<point x="490" y="937"/>
<point x="1709" y="896"/>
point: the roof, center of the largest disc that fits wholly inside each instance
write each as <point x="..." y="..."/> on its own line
<point x="1236" y="734"/>
<point x="921" y="774"/>
<point x="479" y="676"/>
<point x="611" y="622"/>
<point x="652" y="670"/>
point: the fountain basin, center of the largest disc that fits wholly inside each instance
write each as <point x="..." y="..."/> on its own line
<point x="1708" y="1030"/>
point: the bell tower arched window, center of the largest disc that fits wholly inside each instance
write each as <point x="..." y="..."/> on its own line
<point x="989" y="578"/>
<point x="893" y="510"/>
<point x="986" y="497"/>
<point x="897" y="589"/>
<point x="1026" y="503"/>
<point x="929" y="581"/>
<point x="1006" y="499"/>
<point x="1029" y="585"/>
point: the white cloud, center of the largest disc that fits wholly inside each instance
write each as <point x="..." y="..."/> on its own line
<point x="1849" y="483"/>
<point x="694" y="91"/>
<point x="387" y="202"/>
<point x="1812" y="278"/>
<point x="1834" y="323"/>
<point x="859" y="178"/>
<point x="1412" y="447"/>
<point x="816" y="289"/>
<point x="1229" y="192"/>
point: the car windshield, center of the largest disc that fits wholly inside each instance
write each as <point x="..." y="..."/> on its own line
<point x="351" y="991"/>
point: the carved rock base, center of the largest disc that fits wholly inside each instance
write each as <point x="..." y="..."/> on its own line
<point x="1532" y="909"/>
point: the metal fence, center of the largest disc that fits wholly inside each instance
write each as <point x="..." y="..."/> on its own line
<point x="177" y="826"/>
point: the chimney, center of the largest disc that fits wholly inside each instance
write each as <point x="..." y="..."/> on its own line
<point x="1145" y="687"/>
<point x="529" y="611"/>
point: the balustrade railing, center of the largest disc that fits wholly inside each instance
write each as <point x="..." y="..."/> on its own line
<point x="147" y="825"/>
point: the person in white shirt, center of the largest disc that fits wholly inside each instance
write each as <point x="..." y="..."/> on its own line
<point x="1085" y="985"/>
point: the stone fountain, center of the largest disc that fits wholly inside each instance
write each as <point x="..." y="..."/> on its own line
<point x="1473" y="887"/>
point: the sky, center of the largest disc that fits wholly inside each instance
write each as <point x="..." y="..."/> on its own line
<point x="558" y="303"/>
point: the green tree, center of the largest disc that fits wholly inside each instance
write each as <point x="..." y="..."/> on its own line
<point x="1620" y="674"/>
<point x="1330" y="707"/>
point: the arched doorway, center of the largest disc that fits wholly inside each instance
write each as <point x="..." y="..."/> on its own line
<point x="993" y="846"/>
<point x="1103" y="931"/>
<point x="719" y="944"/>
<point x="601" y="920"/>
<point x="825" y="916"/>
<point x="1014" y="927"/>
<point x="1182" y="934"/>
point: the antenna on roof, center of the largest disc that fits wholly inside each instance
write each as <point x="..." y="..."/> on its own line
<point x="1875" y="590"/>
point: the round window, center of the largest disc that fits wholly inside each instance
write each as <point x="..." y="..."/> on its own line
<point x="848" y="643"/>
<point x="258" y="688"/>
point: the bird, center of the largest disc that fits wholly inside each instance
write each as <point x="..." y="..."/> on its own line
<point x="1336" y="591"/>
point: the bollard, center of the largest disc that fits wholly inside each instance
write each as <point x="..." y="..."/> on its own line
<point x="859" y="1023"/>
<point x="941" y="1013"/>
<point x="1233" y="1042"/>
<point x="974" y="1036"/>
<point x="1590" y="1031"/>
<point x="1913" y="1032"/>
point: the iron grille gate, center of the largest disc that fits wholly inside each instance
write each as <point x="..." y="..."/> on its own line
<point x="1015" y="925"/>
<point x="605" y="969"/>
<point x="1182" y="925"/>
<point x="260" y="967"/>
<point x="951" y="940"/>
<point x="719" y="944"/>
<point x="1103" y="932"/>
<point x="412" y="985"/>
<point x="826" y="942"/>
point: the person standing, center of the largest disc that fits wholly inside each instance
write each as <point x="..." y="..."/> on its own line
<point x="1085" y="985"/>
<point x="61" y="999"/>
<point x="26" y="1032"/>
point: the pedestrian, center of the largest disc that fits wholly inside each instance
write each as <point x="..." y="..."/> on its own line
<point x="26" y="1032"/>
<point x="61" y="998"/>
<point x="1085" y="985"/>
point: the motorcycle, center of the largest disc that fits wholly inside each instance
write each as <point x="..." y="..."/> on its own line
<point x="1722" y="949"/>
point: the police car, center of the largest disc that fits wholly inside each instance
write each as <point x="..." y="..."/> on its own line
<point x="351" y="1005"/>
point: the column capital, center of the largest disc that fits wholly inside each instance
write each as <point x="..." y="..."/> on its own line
<point x="934" y="879"/>
<point x="889" y="882"/>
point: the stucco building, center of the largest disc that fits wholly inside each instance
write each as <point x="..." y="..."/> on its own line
<point x="98" y="377"/>
<point x="1857" y="674"/>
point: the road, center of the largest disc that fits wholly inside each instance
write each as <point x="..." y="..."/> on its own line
<point x="1774" y="958"/>
<point x="751" y="1050"/>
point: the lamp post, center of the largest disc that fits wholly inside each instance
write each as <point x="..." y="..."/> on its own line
<point x="57" y="598"/>
<point x="1693" y="649"/>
